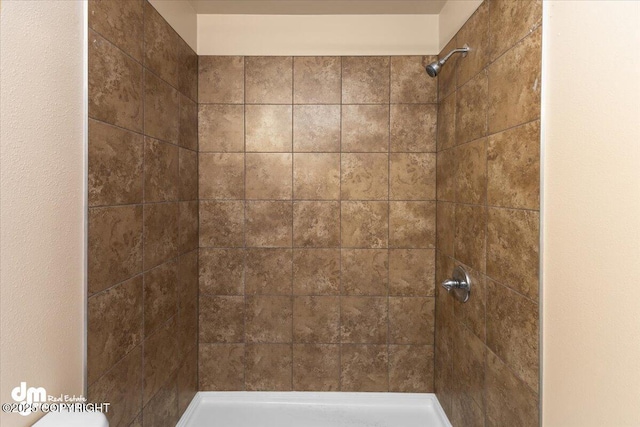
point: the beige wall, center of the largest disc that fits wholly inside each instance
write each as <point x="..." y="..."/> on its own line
<point x="591" y="214"/>
<point x="322" y="35"/>
<point x="42" y="215"/>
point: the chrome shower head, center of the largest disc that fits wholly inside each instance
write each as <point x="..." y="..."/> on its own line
<point x="434" y="68"/>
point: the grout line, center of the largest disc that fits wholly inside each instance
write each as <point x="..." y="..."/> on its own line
<point x="244" y="221"/>
<point x="292" y="215"/>
<point x="388" y="227"/>
<point x="340" y="287"/>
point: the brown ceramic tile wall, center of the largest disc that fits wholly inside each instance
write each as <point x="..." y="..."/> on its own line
<point x="143" y="215"/>
<point x="488" y="218"/>
<point x="317" y="223"/>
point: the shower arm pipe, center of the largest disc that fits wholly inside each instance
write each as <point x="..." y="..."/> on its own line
<point x="464" y="50"/>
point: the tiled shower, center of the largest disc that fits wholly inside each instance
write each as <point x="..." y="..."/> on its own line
<point x="283" y="223"/>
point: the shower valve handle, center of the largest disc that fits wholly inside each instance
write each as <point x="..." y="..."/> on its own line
<point x="454" y="284"/>
<point x="460" y="283"/>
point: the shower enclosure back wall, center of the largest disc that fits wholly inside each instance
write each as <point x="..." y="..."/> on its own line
<point x="317" y="223"/>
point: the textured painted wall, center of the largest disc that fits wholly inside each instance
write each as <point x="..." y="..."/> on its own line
<point x="41" y="207"/>
<point x="317" y="223"/>
<point x="143" y="215"/>
<point x="487" y="361"/>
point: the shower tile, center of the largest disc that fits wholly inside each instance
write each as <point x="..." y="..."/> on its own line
<point x="161" y="233"/>
<point x="161" y="109"/>
<point x="114" y="245"/>
<point x="187" y="380"/>
<point x="188" y="174"/>
<point x="514" y="79"/>
<point x="221" y="319"/>
<point x="137" y="422"/>
<point x="513" y="167"/>
<point x="469" y="371"/>
<point x="188" y="137"/>
<point x="160" y="171"/>
<point x="317" y="79"/>
<point x="221" y="271"/>
<point x="316" y="128"/>
<point x="221" y="175"/>
<point x="161" y="47"/>
<point x="160" y="295"/>
<point x="268" y="319"/>
<point x="221" y="128"/>
<point x="268" y="271"/>
<point x="412" y="224"/>
<point x="512" y="249"/>
<point x="412" y="176"/>
<point x="316" y="224"/>
<point x="221" y="79"/>
<point x="411" y="320"/>
<point x="363" y="320"/>
<point x="187" y="278"/>
<point x="269" y="128"/>
<point x="364" y="368"/>
<point x="269" y="176"/>
<point x="221" y="367"/>
<point x="474" y="33"/>
<point x="269" y="224"/>
<point x="364" y="224"/>
<point x="187" y="70"/>
<point x="114" y="326"/>
<point x="365" y="271"/>
<point x="466" y="412"/>
<point x="316" y="367"/>
<point x="411" y="272"/>
<point x="160" y="360"/>
<point x="316" y="319"/>
<point x="221" y="223"/>
<point x="316" y="271"/>
<point x="365" y="128"/>
<point x="115" y="165"/>
<point x="268" y="79"/>
<point x="471" y="109"/>
<point x="409" y="81"/>
<point x="364" y="176"/>
<point x="470" y="236"/>
<point x="411" y="368"/>
<point x="413" y="127"/>
<point x="316" y="176"/>
<point x="512" y="331"/>
<point x="445" y="175"/>
<point x="120" y="23"/>
<point x="365" y="79"/>
<point x="446" y="134"/>
<point x="162" y="409"/>
<point x="187" y="328"/>
<point x="115" y="85"/>
<point x="471" y="174"/>
<point x="188" y="226"/>
<point x="502" y="386"/>
<point x="473" y="312"/>
<point x="511" y="21"/>
<point x="445" y="227"/>
<point x="268" y="367"/>
<point x="121" y="387"/>
<point x="447" y="76"/>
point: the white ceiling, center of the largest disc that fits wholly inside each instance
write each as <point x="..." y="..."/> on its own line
<point x="318" y="7"/>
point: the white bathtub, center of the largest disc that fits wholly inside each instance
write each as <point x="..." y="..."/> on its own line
<point x="307" y="409"/>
